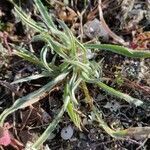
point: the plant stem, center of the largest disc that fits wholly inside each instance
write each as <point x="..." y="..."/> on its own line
<point x="87" y="95"/>
<point x="116" y="134"/>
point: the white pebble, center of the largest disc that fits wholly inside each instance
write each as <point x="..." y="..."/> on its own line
<point x="67" y="132"/>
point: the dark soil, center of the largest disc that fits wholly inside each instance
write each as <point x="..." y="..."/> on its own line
<point x="117" y="113"/>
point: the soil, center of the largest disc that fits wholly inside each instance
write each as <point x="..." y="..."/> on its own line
<point x="130" y="76"/>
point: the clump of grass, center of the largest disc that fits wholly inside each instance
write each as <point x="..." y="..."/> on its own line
<point x="74" y="70"/>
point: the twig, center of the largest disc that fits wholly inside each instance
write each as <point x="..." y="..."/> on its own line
<point x="107" y="29"/>
<point x="4" y="36"/>
<point x="93" y="146"/>
<point x="81" y="22"/>
<point x="27" y="118"/>
<point x="142" y="145"/>
<point x="133" y="141"/>
<point x="10" y="87"/>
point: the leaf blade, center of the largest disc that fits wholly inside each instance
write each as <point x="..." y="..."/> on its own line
<point x="120" y="50"/>
<point x="120" y="95"/>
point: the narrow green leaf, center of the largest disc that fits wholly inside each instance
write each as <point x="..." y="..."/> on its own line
<point x="32" y="97"/>
<point x="120" y="50"/>
<point x="115" y="134"/>
<point x="81" y="65"/>
<point x="133" y="132"/>
<point x="52" y="125"/>
<point x="72" y="105"/>
<point x="25" y="18"/>
<point x="43" y="56"/>
<point x="120" y="95"/>
<point x="102" y="123"/>
<point x="73" y="115"/>
<point x="45" y="15"/>
<point x="29" y="78"/>
<point x="47" y="18"/>
<point x="73" y="84"/>
<point x="53" y="44"/>
<point x="71" y="38"/>
<point x="26" y="55"/>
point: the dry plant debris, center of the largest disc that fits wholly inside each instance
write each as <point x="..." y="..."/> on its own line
<point x="88" y="117"/>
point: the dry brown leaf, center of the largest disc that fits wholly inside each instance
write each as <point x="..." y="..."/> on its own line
<point x="67" y="14"/>
<point x="141" y="41"/>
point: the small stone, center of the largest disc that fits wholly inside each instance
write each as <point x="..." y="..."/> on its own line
<point x="46" y="147"/>
<point x="67" y="132"/>
<point x="94" y="29"/>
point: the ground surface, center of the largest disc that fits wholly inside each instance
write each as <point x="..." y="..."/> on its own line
<point x="128" y="20"/>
